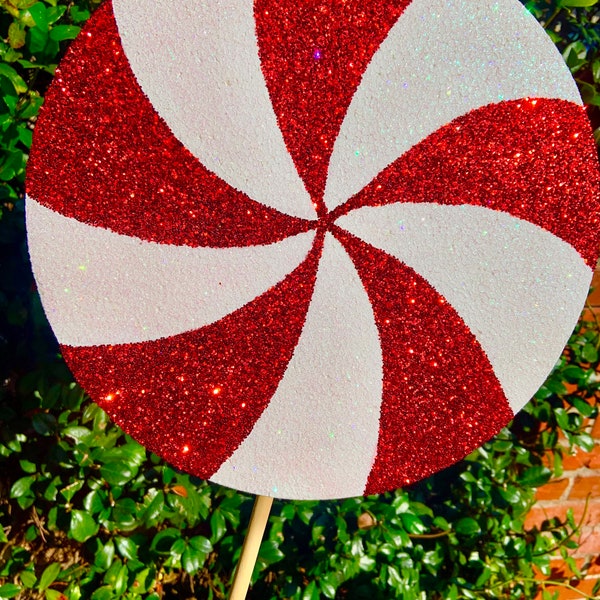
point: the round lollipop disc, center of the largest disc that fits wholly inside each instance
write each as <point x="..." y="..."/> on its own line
<point x="317" y="249"/>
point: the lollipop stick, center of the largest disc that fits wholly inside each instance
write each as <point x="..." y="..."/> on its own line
<point x="256" y="529"/>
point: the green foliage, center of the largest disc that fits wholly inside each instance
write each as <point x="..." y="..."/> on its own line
<point x="86" y="512"/>
<point x="574" y="26"/>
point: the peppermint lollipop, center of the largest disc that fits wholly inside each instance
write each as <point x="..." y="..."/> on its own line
<point x="315" y="249"/>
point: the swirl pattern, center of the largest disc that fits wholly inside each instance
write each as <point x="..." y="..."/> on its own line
<point x="313" y="251"/>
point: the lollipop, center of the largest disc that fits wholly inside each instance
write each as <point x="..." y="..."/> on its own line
<point x="316" y="249"/>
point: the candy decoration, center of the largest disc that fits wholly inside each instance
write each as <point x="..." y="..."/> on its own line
<point x="315" y="249"/>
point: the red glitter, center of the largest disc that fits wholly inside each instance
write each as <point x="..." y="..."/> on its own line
<point x="534" y="159"/>
<point x="102" y="155"/>
<point x="327" y="47"/>
<point x="441" y="398"/>
<point x="168" y="399"/>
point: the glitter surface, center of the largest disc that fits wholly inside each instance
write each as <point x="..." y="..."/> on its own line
<point x="202" y="389"/>
<point x="533" y="158"/>
<point x="424" y="426"/>
<point x="327" y="46"/>
<point x="113" y="164"/>
<point x="123" y="169"/>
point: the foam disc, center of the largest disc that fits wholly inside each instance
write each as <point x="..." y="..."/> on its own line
<point x="313" y="249"/>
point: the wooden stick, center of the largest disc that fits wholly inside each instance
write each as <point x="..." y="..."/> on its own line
<point x="256" y="529"/>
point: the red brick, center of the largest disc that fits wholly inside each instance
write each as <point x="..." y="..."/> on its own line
<point x="574" y="461"/>
<point x="579" y="459"/>
<point x="553" y="490"/>
<point x="538" y="513"/>
<point x="594" y="565"/>
<point x="594" y="297"/>
<point x="594" y="458"/>
<point x="535" y="517"/>
<point x="585" y="486"/>
<point x="585" y="588"/>
<point x="589" y="565"/>
<point x="596" y="430"/>
<point x="587" y="315"/>
<point x="570" y="388"/>
<point x="589" y="541"/>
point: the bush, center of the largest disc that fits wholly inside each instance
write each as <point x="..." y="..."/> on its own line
<point x="86" y="512"/>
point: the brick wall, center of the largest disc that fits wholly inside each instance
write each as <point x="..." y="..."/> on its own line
<point x="579" y="481"/>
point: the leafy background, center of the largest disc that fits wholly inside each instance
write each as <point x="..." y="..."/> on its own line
<point x="86" y="512"/>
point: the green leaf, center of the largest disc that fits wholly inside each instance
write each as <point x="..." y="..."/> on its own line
<point x="583" y="407"/>
<point x="104" y="555"/>
<point x="127" y="547"/>
<point x="270" y="552"/>
<point x="44" y="423"/>
<point x="412" y="523"/>
<point x="116" y="576"/>
<point x="467" y="527"/>
<point x="155" y="508"/>
<point x="192" y="560"/>
<point x="557" y="464"/>
<point x="103" y="593"/>
<point x="124" y="513"/>
<point x="596" y="70"/>
<point x="178" y="547"/>
<point x="168" y="474"/>
<point x="79" y="15"/>
<point x="16" y="35"/>
<point x="577" y="3"/>
<point x="117" y="473"/>
<point x="9" y="590"/>
<point x="570" y="561"/>
<point x="64" y="32"/>
<point x="27" y="466"/>
<point x="120" y="583"/>
<point x="327" y="588"/>
<point x="83" y="526"/>
<point x="199" y="542"/>
<point x="95" y="501"/>
<point x="217" y="525"/>
<point x="144" y="580"/>
<point x="37" y="39"/>
<point x="119" y="454"/>
<point x="562" y="418"/>
<point x="393" y="578"/>
<point x="311" y="592"/>
<point x="575" y="55"/>
<point x="573" y="373"/>
<point x="49" y="576"/>
<point x="163" y="540"/>
<point x="78" y="433"/>
<point x="585" y="441"/>
<point x="28" y="579"/>
<point x="510" y="494"/>
<point x="589" y="353"/>
<point x="70" y="490"/>
<point x="39" y="15"/>
<point x="366" y="563"/>
<point x="22" y="487"/>
<point x="535" y="476"/>
<point x="16" y="80"/>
